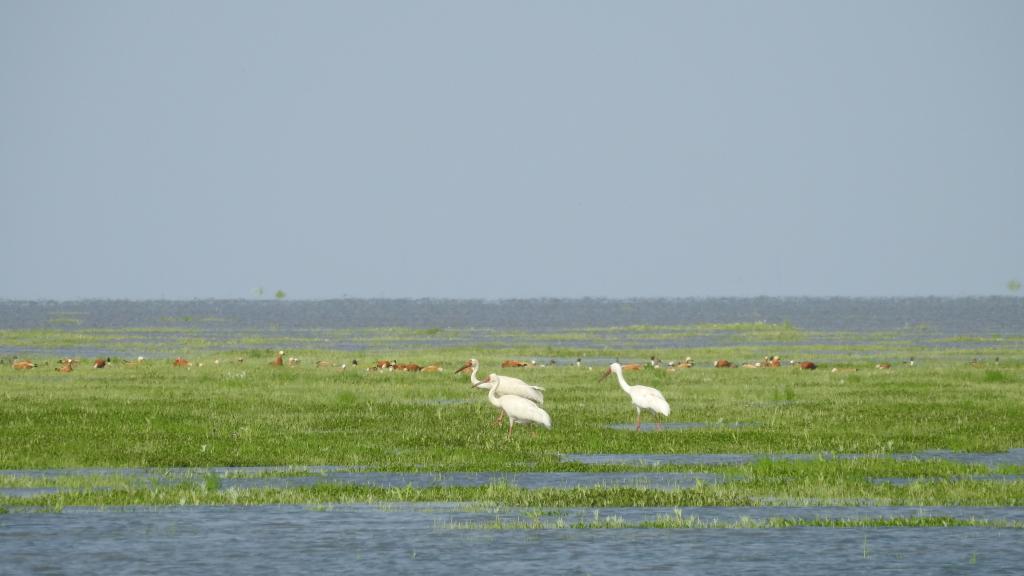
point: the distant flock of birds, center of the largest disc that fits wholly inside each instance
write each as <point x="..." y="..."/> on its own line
<point x="69" y="364"/>
<point x="516" y="400"/>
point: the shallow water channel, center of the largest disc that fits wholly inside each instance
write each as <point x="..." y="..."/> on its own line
<point x="433" y="539"/>
<point x="445" y="538"/>
<point x="226" y="478"/>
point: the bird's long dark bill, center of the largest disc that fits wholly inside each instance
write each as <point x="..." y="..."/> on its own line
<point x="605" y="375"/>
<point x="481" y="383"/>
<point x="463" y="368"/>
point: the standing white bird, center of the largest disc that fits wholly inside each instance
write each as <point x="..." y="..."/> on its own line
<point x="518" y="409"/>
<point x="643" y="397"/>
<point x="509" y="386"/>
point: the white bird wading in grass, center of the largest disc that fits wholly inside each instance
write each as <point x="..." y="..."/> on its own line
<point x="517" y="409"/>
<point x="509" y="386"/>
<point x="643" y="397"/>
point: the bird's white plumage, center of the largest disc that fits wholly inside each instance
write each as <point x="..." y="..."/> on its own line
<point x="509" y="386"/>
<point x="646" y="398"/>
<point x="643" y="397"/>
<point x="517" y="409"/>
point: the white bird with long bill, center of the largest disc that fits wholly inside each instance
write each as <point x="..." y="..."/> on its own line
<point x="643" y="397"/>
<point x="517" y="408"/>
<point x="509" y="386"/>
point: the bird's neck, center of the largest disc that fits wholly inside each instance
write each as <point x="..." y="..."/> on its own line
<point x="622" y="382"/>
<point x="492" y="394"/>
<point x="472" y="376"/>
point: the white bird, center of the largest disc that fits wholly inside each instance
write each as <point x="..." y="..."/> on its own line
<point x="643" y="397"/>
<point x="509" y="386"/>
<point x="517" y="408"/>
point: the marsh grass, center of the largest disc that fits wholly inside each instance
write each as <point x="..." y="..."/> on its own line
<point x="764" y="484"/>
<point x="995" y="376"/>
<point x="680" y="521"/>
<point x="227" y="413"/>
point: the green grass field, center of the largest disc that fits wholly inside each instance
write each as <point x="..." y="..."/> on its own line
<point x="221" y="412"/>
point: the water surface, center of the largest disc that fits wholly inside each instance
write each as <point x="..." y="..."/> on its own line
<point x="365" y="539"/>
<point x="979" y="315"/>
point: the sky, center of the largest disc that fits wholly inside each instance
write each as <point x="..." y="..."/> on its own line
<point x="484" y="149"/>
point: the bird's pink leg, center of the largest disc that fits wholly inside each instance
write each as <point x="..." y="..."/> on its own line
<point x="501" y="414"/>
<point x="637" y="420"/>
<point x="658" y="425"/>
<point x="509" y="429"/>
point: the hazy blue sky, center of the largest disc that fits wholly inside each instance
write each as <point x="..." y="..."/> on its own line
<point x="510" y="149"/>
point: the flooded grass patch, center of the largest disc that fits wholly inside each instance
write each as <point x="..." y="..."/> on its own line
<point x="355" y="470"/>
<point x="696" y="523"/>
<point x="251" y="432"/>
<point x="226" y="479"/>
<point x="820" y="489"/>
<point x="1014" y="457"/>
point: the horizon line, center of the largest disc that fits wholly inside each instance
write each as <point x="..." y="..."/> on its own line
<point x="507" y="299"/>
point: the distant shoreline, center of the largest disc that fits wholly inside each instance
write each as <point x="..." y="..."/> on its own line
<point x="983" y="315"/>
<point x="510" y="299"/>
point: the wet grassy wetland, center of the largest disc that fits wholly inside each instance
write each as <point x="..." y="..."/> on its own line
<point x="918" y="465"/>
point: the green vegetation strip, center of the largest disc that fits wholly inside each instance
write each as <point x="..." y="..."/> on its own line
<point x="232" y="408"/>
<point x="781" y="492"/>
<point x="692" y="522"/>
